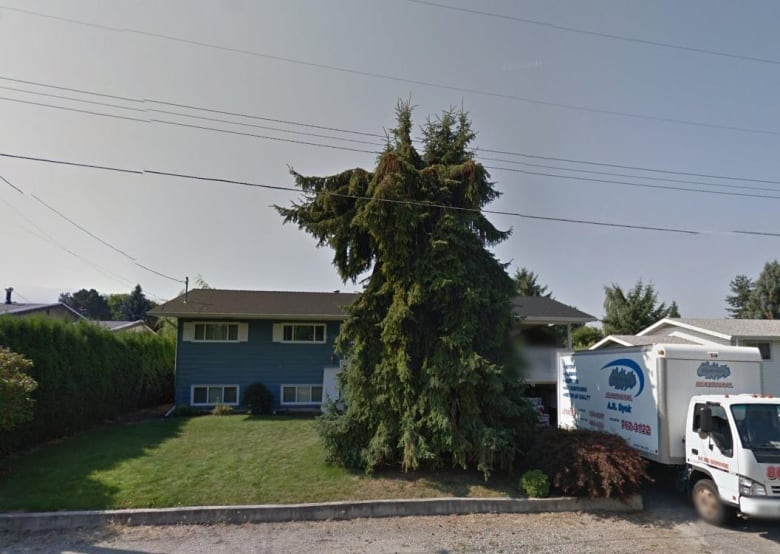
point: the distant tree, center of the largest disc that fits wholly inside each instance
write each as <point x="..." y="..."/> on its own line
<point x="115" y="302"/>
<point x="526" y="282"/>
<point x="627" y="313"/>
<point x="89" y="303"/>
<point x="765" y="299"/>
<point x="136" y="305"/>
<point x="16" y="405"/>
<point x="584" y="337"/>
<point x="740" y="301"/>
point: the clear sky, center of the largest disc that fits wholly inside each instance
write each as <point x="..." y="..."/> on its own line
<point x="285" y="60"/>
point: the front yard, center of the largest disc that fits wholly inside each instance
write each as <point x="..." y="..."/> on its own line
<point x="207" y="461"/>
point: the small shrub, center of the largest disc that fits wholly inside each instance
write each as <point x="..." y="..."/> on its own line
<point x="588" y="463"/>
<point x="258" y="399"/>
<point x="535" y="483"/>
<point x="187" y="411"/>
<point x="16" y="405"/>
<point x="221" y="409"/>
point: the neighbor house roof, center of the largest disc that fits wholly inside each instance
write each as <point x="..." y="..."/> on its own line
<point x="722" y="328"/>
<point x="18" y="309"/>
<point x="118" y="326"/>
<point x="637" y="340"/>
<point x="540" y="309"/>
<point x="255" y="304"/>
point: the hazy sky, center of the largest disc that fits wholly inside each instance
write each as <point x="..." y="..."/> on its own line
<point x="285" y="60"/>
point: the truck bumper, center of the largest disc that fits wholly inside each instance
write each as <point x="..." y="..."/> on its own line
<point x="760" y="506"/>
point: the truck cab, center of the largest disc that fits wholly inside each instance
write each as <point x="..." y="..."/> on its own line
<point x="732" y="449"/>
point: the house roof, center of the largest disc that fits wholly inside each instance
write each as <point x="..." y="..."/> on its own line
<point x="122" y="325"/>
<point x="15" y="308"/>
<point x="257" y="304"/>
<point x="213" y="303"/>
<point x="637" y="340"/>
<point x="540" y="309"/>
<point x="722" y="328"/>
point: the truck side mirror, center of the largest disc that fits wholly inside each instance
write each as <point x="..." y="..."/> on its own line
<point x="705" y="420"/>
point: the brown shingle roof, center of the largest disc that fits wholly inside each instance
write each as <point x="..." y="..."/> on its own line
<point x="257" y="304"/>
<point x="540" y="309"/>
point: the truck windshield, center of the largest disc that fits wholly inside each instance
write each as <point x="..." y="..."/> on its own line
<point x="758" y="425"/>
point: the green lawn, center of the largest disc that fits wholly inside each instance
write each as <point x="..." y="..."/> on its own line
<point x="207" y="461"/>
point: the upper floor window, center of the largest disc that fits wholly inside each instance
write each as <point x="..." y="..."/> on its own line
<point x="215" y="331"/>
<point x="299" y="332"/>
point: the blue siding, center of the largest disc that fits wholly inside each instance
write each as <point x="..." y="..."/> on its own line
<point x="258" y="359"/>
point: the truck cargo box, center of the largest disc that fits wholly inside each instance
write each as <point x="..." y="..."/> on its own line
<point x="642" y="393"/>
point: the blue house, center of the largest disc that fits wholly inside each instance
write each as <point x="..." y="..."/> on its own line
<point x="229" y="339"/>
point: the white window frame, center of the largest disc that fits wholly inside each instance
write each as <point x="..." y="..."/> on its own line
<point x="296" y="387"/>
<point x="207" y="323"/>
<point x="279" y="335"/>
<point x="188" y="331"/>
<point x="207" y="403"/>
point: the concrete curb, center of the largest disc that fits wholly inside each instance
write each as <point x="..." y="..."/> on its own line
<point x="269" y="513"/>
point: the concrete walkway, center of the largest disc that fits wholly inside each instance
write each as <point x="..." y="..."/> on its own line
<point x="44" y="521"/>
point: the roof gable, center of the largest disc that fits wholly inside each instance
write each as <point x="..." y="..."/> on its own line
<point x="722" y="328"/>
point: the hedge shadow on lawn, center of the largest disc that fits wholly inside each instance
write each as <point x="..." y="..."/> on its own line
<point x="60" y="474"/>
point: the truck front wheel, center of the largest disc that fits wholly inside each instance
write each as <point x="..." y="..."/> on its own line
<point x="708" y="504"/>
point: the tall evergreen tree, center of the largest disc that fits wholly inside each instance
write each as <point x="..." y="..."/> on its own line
<point x="527" y="285"/>
<point x="136" y="305"/>
<point x="765" y="299"/>
<point x="432" y="378"/>
<point x="627" y="313"/>
<point x="741" y="300"/>
<point x="89" y="303"/>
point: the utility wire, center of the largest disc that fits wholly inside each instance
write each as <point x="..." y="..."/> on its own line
<point x="624" y="38"/>
<point x="424" y="204"/>
<point x="376" y="135"/>
<point x="88" y="232"/>
<point x="388" y="200"/>
<point x="388" y="77"/>
<point x="376" y="152"/>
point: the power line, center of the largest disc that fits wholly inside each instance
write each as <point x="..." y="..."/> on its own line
<point x="424" y="204"/>
<point x="71" y="98"/>
<point x="88" y="232"/>
<point x="630" y="184"/>
<point x="376" y="135"/>
<point x="388" y="77"/>
<point x="611" y="36"/>
<point x="360" y="150"/>
<point x="392" y="201"/>
<point x="89" y="112"/>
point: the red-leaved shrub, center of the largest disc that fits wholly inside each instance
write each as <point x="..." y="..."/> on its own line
<point x="588" y="463"/>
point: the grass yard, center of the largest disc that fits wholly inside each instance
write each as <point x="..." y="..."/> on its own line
<point x="207" y="461"/>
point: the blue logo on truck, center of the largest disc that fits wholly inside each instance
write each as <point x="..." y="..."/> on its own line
<point x="711" y="370"/>
<point x="625" y="375"/>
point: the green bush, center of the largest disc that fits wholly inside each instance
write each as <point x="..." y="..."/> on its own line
<point x="258" y="399"/>
<point x="16" y="405"/>
<point x="535" y="483"/>
<point x="588" y="463"/>
<point x="85" y="375"/>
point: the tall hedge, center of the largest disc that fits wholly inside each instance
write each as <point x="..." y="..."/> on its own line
<point x="85" y="375"/>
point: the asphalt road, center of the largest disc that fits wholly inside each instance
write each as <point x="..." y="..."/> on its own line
<point x="668" y="524"/>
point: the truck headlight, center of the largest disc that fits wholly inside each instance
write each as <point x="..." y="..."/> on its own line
<point x="748" y="487"/>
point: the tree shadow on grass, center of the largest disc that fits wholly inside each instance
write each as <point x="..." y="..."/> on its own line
<point x="60" y="475"/>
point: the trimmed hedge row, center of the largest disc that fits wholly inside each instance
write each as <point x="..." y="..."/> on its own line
<point x="85" y="375"/>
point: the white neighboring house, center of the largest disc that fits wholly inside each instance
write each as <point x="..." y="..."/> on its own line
<point x="764" y="334"/>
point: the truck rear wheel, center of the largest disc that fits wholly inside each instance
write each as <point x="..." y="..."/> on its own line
<point x="708" y="504"/>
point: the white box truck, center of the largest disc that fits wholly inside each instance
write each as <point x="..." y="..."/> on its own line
<point x="698" y="407"/>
